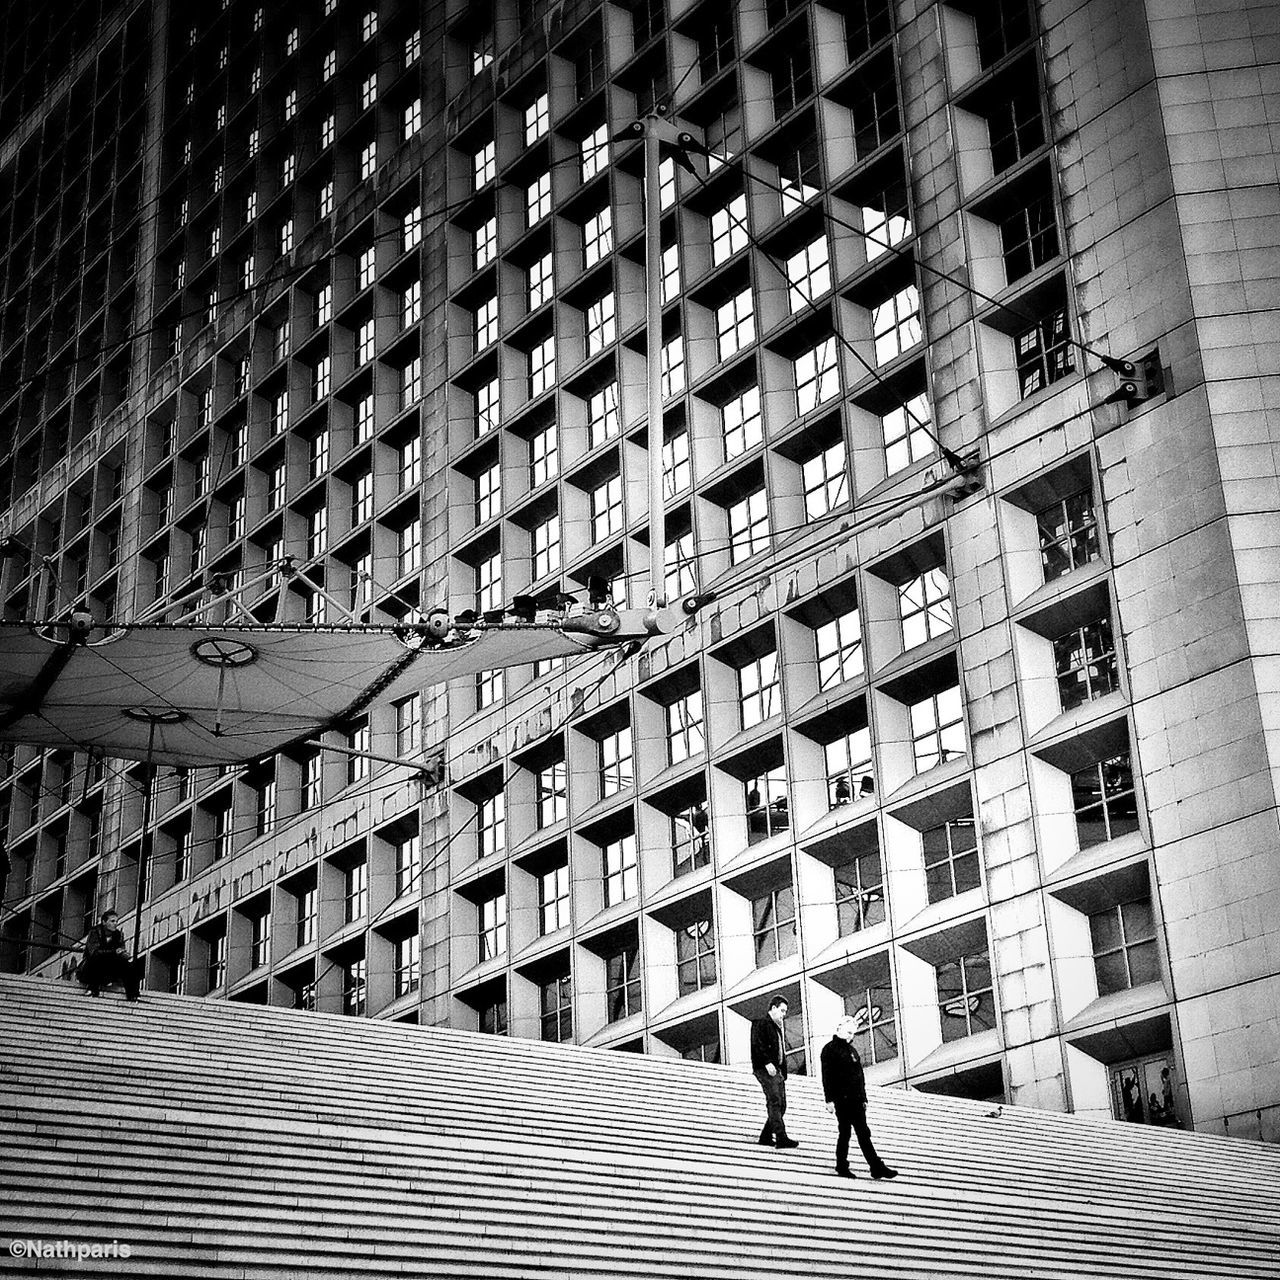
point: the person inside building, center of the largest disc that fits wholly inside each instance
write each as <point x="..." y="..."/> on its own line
<point x="105" y="959"/>
<point x="845" y="1089"/>
<point x="769" y="1065"/>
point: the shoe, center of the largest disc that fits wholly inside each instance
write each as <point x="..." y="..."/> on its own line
<point x="846" y="1172"/>
<point x="785" y="1142"/>
<point x="882" y="1172"/>
<point x="765" y="1140"/>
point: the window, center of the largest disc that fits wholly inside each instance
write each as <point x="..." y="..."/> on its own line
<point x="670" y="268"/>
<point x="1068" y="534"/>
<point x="355" y="892"/>
<point x="826" y="481"/>
<point x="551" y="793"/>
<point x="408" y="863"/>
<point x="260" y="940"/>
<point x="486" y="323"/>
<point x="768" y="811"/>
<point x="280" y="340"/>
<point x="597" y="236"/>
<point x="875" y="109"/>
<point x="589" y="67"/>
<point x="601" y="324"/>
<point x="542" y="366"/>
<point x="409" y="548"/>
<point x="489" y="583"/>
<point x="839" y="645"/>
<point x="368" y="160"/>
<point x="491" y="824"/>
<point x="277" y="492"/>
<point x="677" y="470"/>
<point x="695" y="956"/>
<point x="602" y="414"/>
<point x="622" y="984"/>
<point x="541" y="281"/>
<point x="413" y="228"/>
<point x="743" y="426"/>
<point x="773" y="925"/>
<point x="544" y="455"/>
<point x="537" y="199"/>
<point x="690" y="847"/>
<point x="366" y="267"/>
<point x="1043" y="353"/>
<point x="748" y="526"/>
<point x="759" y="692"/>
<point x="1104" y="801"/>
<point x="248" y="273"/>
<point x="965" y="997"/>
<point x="553" y="899"/>
<point x="409" y="725"/>
<point x="866" y="23"/>
<point x="488" y="493"/>
<point x="895" y="324"/>
<point x="685" y="736"/>
<point x="321" y="379"/>
<point x="800" y="174"/>
<point x="735" y="324"/>
<point x="364" y="420"/>
<point x="937" y="729"/>
<point x="1001" y="26"/>
<point x="318" y="452"/>
<point x="359" y="740"/>
<point x="595" y="152"/>
<point x="407" y="966"/>
<point x="1029" y="238"/>
<point x="606" y="509"/>
<point x="729" y="230"/>
<point x="291" y="42"/>
<point x="1016" y="127"/>
<point x="481" y="51"/>
<point x="280" y="413"/>
<point x="489" y="688"/>
<point x="368" y="92"/>
<point x="951" y="864"/>
<point x="411" y="304"/>
<point x="906" y="433"/>
<point x="488" y="410"/>
<point x="324" y="305"/>
<point x="621" y="874"/>
<point x="792" y="77"/>
<point x="484" y="164"/>
<point x="715" y="46"/>
<point x="557" y="1009"/>
<point x="537" y="119"/>
<point x="859" y="894"/>
<point x="817" y="376"/>
<point x="1125" y="953"/>
<point x="486" y="242"/>
<point x="546" y="546"/>
<point x="317" y="532"/>
<point x="808" y="274"/>
<point x="850" y="772"/>
<point x="616" y="773"/>
<point x="330" y="65"/>
<point x="412" y="118"/>
<point x="493" y="927"/>
<point x="355" y="984"/>
<point x="308" y="915"/>
<point x="412" y="48"/>
<point x="924" y="605"/>
<point x="1085" y="660"/>
<point x="290" y="110"/>
<point x="493" y="1017"/>
<point x="286" y="236"/>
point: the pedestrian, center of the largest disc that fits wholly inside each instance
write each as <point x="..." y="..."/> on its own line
<point x="769" y="1064"/>
<point x="845" y="1088"/>
<point x="105" y="959"/>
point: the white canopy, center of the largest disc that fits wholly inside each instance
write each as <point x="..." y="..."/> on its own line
<point x="206" y="695"/>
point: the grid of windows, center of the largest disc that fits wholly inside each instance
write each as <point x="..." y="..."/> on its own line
<point x="1068" y="535"/>
<point x="1125" y="953"/>
<point x="735" y="324"/>
<point x="1043" y="353"/>
<point x="743" y="425"/>
<point x="557" y="1009"/>
<point x="729" y="233"/>
<point x="759" y="689"/>
<point x="1104" y="800"/>
<point x="621" y="872"/>
<point x="553" y="899"/>
<point x="966" y="1001"/>
<point x="1085" y="661"/>
<point x="602" y="414"/>
<point x="773" y="925"/>
<point x="924" y="605"/>
<point x="749" y="526"/>
<point x="808" y="274"/>
<point x="839" y="646"/>
<point x="493" y="927"/>
<point x="860" y="902"/>
<point x="951" y="862"/>
<point x="825" y="477"/>
<point x="937" y="729"/>
<point x="850" y="774"/>
<point x="817" y="376"/>
<point x="685" y="733"/>
<point x="616" y="761"/>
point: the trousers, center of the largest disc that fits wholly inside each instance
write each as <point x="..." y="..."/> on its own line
<point x="853" y="1117"/>
<point x="104" y="970"/>
<point x="775" y="1101"/>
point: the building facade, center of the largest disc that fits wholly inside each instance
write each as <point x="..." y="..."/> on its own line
<point x="363" y="284"/>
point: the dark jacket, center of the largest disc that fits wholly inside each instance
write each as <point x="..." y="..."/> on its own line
<point x="842" y="1078"/>
<point x="103" y="942"/>
<point x="766" y="1046"/>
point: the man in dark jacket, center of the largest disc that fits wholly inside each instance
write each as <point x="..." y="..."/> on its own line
<point x="769" y="1064"/>
<point x="845" y="1089"/>
<point x="106" y="960"/>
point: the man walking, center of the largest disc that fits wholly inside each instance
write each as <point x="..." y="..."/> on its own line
<point x="845" y="1089"/>
<point x="769" y="1064"/>
<point x="106" y="960"/>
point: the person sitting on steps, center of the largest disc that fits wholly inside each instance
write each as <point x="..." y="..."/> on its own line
<point x="105" y="959"/>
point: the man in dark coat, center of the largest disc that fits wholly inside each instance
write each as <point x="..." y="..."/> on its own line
<point x="106" y="960"/>
<point x="769" y="1065"/>
<point x="845" y="1089"/>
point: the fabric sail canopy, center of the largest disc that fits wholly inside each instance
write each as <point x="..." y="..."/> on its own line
<point x="197" y="695"/>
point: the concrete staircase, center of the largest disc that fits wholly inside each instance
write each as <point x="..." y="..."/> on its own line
<point x="228" y="1140"/>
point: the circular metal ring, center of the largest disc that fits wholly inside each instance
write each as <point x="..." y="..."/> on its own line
<point x="224" y="651"/>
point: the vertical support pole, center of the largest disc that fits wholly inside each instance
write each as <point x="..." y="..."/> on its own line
<point x="144" y="845"/>
<point x="653" y="345"/>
